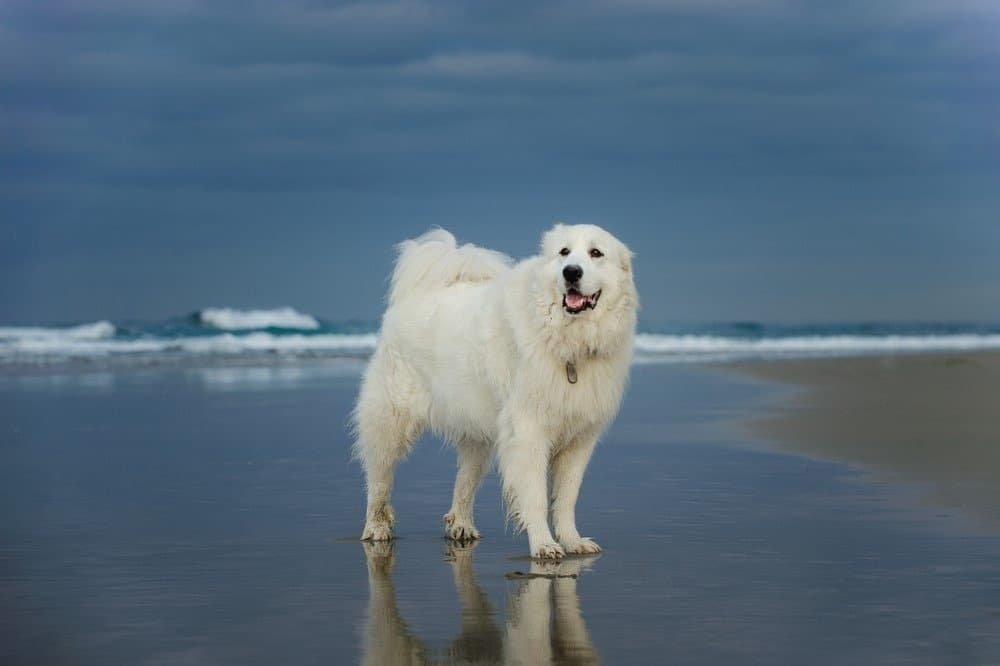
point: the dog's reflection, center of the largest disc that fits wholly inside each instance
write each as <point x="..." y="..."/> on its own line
<point x="544" y="623"/>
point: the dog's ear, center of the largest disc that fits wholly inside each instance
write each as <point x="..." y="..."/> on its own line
<point x="626" y="259"/>
<point x="549" y="238"/>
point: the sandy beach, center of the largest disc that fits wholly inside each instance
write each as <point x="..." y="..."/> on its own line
<point x="929" y="420"/>
<point x="822" y="512"/>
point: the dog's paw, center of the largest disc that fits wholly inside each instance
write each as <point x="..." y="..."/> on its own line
<point x="459" y="530"/>
<point x="377" y="531"/>
<point x="379" y="523"/>
<point x="581" y="546"/>
<point x="549" y="551"/>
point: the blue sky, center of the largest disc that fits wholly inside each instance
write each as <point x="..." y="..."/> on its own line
<point x="776" y="161"/>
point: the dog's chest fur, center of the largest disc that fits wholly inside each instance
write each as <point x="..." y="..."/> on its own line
<point x="568" y="409"/>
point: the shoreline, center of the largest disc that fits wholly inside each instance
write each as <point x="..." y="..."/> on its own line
<point x="151" y="363"/>
<point x="927" y="420"/>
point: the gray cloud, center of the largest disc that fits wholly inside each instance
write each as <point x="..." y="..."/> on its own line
<point x="757" y="125"/>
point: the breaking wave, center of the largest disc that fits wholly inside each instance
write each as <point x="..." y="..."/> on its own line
<point x="217" y="345"/>
<point x="224" y="335"/>
<point x="230" y="319"/>
<point x="701" y="347"/>
<point x="97" y="330"/>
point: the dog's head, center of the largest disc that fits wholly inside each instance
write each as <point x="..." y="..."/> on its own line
<point x="591" y="269"/>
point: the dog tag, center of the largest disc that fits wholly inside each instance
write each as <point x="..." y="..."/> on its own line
<point x="571" y="372"/>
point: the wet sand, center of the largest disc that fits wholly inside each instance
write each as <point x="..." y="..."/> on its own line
<point x="211" y="516"/>
<point x="932" y="421"/>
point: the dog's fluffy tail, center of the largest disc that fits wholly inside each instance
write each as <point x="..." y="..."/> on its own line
<point x="434" y="261"/>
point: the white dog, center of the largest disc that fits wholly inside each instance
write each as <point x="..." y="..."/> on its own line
<point x="527" y="361"/>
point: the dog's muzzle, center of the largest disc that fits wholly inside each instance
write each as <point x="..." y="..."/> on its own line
<point x="575" y="302"/>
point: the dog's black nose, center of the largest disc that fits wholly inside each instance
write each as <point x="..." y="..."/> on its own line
<point x="572" y="273"/>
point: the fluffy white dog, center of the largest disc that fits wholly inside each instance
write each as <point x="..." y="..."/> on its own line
<point x="528" y="362"/>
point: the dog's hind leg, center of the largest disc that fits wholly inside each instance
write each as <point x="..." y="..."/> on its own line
<point x="390" y="415"/>
<point x="473" y="463"/>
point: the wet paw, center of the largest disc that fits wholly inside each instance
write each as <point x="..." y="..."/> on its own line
<point x="581" y="546"/>
<point x="459" y="530"/>
<point x="377" y="531"/>
<point x="549" y="551"/>
<point x="379" y="523"/>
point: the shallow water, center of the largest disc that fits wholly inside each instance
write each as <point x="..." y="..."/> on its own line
<point x="207" y="516"/>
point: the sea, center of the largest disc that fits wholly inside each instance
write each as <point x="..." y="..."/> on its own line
<point x="182" y="492"/>
<point x="220" y="335"/>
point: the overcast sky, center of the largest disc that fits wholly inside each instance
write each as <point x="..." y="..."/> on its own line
<point x="775" y="161"/>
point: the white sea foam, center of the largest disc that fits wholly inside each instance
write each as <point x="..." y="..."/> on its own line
<point x="230" y="319"/>
<point x="25" y="349"/>
<point x="97" y="330"/>
<point x="97" y="341"/>
<point x="266" y="342"/>
<point x="699" y="346"/>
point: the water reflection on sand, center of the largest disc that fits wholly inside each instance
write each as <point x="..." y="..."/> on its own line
<point x="544" y="623"/>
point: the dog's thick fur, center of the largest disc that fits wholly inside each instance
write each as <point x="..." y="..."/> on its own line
<point x="482" y="351"/>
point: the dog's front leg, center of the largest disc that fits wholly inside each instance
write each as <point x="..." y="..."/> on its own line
<point x="568" y="467"/>
<point x="523" y="457"/>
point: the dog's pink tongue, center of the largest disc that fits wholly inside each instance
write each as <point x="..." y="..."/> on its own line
<point x="575" y="300"/>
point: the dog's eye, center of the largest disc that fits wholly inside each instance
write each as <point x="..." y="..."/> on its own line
<point x="596" y="254"/>
<point x="564" y="252"/>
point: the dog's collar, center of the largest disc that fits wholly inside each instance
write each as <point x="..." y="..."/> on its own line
<point x="571" y="366"/>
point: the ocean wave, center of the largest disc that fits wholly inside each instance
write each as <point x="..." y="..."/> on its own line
<point x="97" y="330"/>
<point x="176" y="340"/>
<point x="713" y="345"/>
<point x="227" y="344"/>
<point x="267" y="342"/>
<point x="230" y="319"/>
